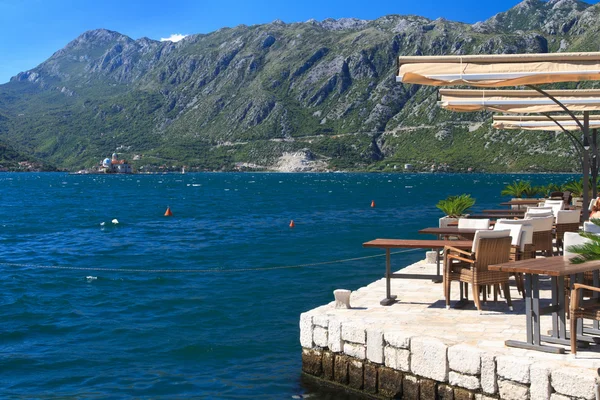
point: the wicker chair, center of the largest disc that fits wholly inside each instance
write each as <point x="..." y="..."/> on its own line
<point x="542" y="234"/>
<point x="521" y="244"/>
<point x="556" y="205"/>
<point x="566" y="221"/>
<point x="588" y="309"/>
<point x="489" y="247"/>
<point x="534" y="212"/>
<point x="567" y="197"/>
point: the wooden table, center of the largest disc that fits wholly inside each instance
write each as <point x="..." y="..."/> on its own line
<point x="506" y="215"/>
<point x="557" y="268"/>
<point x="522" y="202"/>
<point x="466" y="233"/>
<point x="516" y="212"/>
<point x="388" y="244"/>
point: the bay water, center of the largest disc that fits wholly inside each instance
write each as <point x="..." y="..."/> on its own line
<point x="102" y="296"/>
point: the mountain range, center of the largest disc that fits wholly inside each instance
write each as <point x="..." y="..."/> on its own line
<point x="314" y="95"/>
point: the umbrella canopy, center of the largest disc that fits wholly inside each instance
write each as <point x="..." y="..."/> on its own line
<point x="519" y="101"/>
<point x="542" y="123"/>
<point x="499" y="70"/>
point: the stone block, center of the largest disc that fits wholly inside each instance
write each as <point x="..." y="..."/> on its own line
<point x="556" y="396"/>
<point x="397" y="358"/>
<point x="355" y="374"/>
<point x="463" y="394"/>
<point x="334" y="336"/>
<point x="410" y="388"/>
<point x="427" y="389"/>
<point x="464" y="359"/>
<point x="540" y="388"/>
<point x="396" y="339"/>
<point x="389" y="382"/>
<point x="355" y="350"/>
<point x="370" y="378"/>
<point x="513" y="368"/>
<point x="574" y="382"/>
<point x="340" y="369"/>
<point x="321" y="320"/>
<point x="312" y="362"/>
<point x="488" y="374"/>
<point x="479" y="396"/>
<point x="375" y="346"/>
<point x="470" y="382"/>
<point x="320" y="336"/>
<point x="342" y="298"/>
<point x="429" y="358"/>
<point x="306" y="331"/>
<point x="354" y="332"/>
<point x="328" y="362"/>
<point x="431" y="257"/>
<point x="510" y="390"/>
<point x="445" y="392"/>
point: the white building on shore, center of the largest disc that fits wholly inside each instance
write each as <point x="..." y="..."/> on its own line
<point x="115" y="166"/>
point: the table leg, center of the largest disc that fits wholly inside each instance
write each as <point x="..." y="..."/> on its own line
<point x="554" y="292"/>
<point x="438" y="277"/>
<point x="535" y="305"/>
<point x="562" y="309"/>
<point x="595" y="296"/>
<point x="389" y="299"/>
<point x="532" y="312"/>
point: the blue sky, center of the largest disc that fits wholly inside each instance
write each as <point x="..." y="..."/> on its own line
<point x="32" y="30"/>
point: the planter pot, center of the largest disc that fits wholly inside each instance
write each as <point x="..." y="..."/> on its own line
<point x="445" y="221"/>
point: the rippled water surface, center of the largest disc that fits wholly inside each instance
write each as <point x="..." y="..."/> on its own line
<point x="192" y="305"/>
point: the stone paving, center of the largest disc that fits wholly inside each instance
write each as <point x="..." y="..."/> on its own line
<point x="420" y="312"/>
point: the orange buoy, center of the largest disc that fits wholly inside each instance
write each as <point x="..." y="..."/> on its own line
<point x="292" y="224"/>
<point x="168" y="213"/>
<point x="373" y="203"/>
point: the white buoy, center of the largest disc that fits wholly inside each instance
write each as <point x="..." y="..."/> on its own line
<point x="115" y="221"/>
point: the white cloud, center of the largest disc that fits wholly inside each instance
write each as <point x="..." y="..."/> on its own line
<point x="175" y="37"/>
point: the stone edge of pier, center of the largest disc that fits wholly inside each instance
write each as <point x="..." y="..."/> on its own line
<point x="409" y="366"/>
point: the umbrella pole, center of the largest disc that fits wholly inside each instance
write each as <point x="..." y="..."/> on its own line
<point x="594" y="163"/>
<point x="586" y="167"/>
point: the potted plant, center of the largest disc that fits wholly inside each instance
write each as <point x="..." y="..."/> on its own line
<point x="576" y="189"/>
<point x="516" y="189"/>
<point x="533" y="191"/>
<point x="454" y="207"/>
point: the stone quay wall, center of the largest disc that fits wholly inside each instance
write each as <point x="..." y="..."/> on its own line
<point x="396" y="364"/>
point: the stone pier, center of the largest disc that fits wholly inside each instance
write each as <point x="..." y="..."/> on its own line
<point x="416" y="349"/>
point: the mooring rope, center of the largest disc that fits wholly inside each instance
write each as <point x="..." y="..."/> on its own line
<point x="212" y="270"/>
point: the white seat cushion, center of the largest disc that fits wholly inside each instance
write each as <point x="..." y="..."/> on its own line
<point x="572" y="239"/>
<point x="515" y="231"/>
<point x="541" y="224"/>
<point x="526" y="234"/>
<point x="488" y="234"/>
<point x="473" y="223"/>
<point x="591" y="227"/>
<point x="567" y="216"/>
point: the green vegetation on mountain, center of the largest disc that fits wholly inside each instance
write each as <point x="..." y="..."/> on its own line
<point x="245" y="97"/>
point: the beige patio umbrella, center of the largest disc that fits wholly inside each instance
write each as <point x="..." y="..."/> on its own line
<point x="542" y="122"/>
<point x="495" y="71"/>
<point x="519" y="101"/>
<point x="557" y="123"/>
<point x="499" y="70"/>
<point x="534" y="101"/>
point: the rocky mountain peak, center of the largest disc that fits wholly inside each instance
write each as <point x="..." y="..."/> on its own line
<point x="555" y="17"/>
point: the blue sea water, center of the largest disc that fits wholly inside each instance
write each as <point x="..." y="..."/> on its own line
<point x="193" y="305"/>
